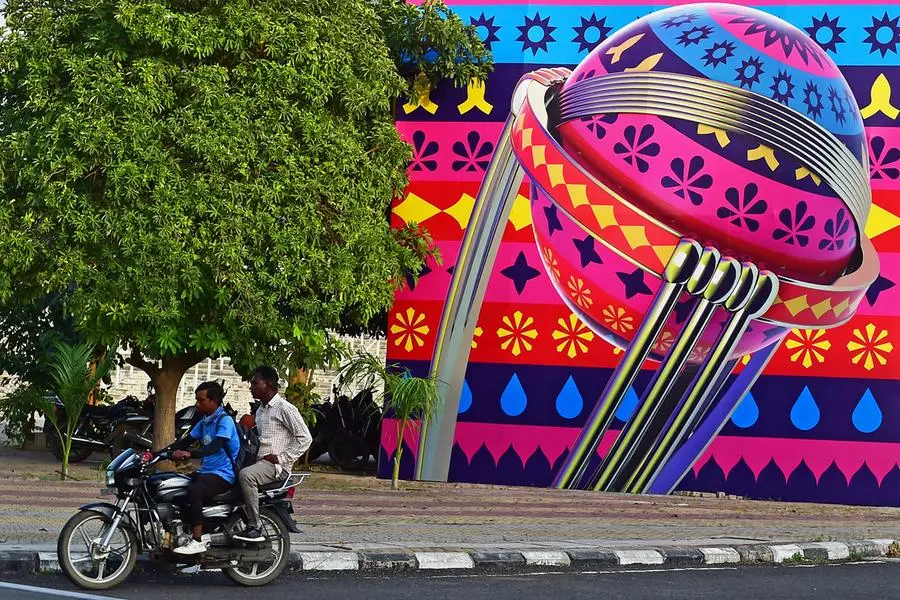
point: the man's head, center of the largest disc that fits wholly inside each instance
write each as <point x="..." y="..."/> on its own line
<point x="264" y="383"/>
<point x="209" y="395"/>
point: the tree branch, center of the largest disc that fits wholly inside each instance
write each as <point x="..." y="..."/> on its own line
<point x="136" y="360"/>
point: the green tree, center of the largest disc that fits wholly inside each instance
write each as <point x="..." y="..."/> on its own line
<point x="211" y="177"/>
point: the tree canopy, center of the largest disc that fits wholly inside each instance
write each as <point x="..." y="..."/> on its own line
<point x="208" y="177"/>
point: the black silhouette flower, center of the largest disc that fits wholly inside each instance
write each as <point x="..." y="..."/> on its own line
<point x="637" y="146"/>
<point x="883" y="162"/>
<point x="826" y="32"/>
<point x="743" y="209"/>
<point x="475" y="154"/>
<point x="421" y="152"/>
<point x="835" y="230"/>
<point x="795" y="223"/>
<point x="884" y="35"/>
<point x="694" y="35"/>
<point x="596" y="124"/>
<point x="687" y="181"/>
<point x="718" y="53"/>
<point x="588" y="39"/>
<point x="749" y="72"/>
<point x="813" y="100"/>
<point x="782" y="88"/>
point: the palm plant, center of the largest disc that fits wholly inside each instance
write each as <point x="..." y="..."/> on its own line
<point x="72" y="376"/>
<point x="413" y="400"/>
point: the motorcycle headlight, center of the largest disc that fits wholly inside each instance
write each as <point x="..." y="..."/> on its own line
<point x="110" y="477"/>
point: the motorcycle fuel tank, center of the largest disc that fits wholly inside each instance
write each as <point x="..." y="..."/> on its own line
<point x="168" y="487"/>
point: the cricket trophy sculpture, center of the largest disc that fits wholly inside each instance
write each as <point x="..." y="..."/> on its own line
<point x="745" y="205"/>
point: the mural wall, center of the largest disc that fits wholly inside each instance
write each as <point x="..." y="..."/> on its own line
<point x="823" y="421"/>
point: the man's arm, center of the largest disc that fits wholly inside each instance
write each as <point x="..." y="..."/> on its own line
<point x="300" y="436"/>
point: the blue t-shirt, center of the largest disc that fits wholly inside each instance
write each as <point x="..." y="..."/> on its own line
<point x="216" y="425"/>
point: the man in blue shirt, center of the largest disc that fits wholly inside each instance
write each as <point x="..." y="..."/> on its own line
<point x="218" y="436"/>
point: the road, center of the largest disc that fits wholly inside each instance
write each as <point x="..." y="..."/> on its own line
<point x="876" y="579"/>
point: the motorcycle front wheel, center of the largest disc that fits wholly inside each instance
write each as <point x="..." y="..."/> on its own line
<point x="77" y="453"/>
<point x="81" y="558"/>
<point x="278" y="544"/>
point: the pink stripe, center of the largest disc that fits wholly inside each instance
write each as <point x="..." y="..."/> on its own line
<point x="817" y="454"/>
<point x="891" y="137"/>
<point x="446" y="135"/>
<point x="649" y="7"/>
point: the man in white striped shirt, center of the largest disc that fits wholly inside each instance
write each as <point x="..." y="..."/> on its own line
<point x="283" y="438"/>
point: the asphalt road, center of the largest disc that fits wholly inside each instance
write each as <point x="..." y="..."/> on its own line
<point x="844" y="581"/>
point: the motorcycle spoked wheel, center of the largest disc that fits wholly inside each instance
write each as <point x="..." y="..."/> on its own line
<point x="278" y="535"/>
<point x="77" y="453"/>
<point x="80" y="559"/>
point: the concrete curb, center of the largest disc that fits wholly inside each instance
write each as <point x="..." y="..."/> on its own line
<point x="29" y="561"/>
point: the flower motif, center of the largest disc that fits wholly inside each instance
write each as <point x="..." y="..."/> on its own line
<point x="664" y="342"/>
<point x="694" y="35"/>
<point x="586" y="41"/>
<point x="518" y="333"/>
<point x="835" y="229"/>
<point x="475" y="154"/>
<point x="884" y="35"/>
<point x="795" y="223"/>
<point x="478" y="332"/>
<point x="813" y="100"/>
<point x="743" y="209"/>
<point x="782" y="34"/>
<point x="687" y="183"/>
<point x="550" y="262"/>
<point x="596" y="124"/>
<point x="421" y="152"/>
<point x="749" y="72"/>
<point x="637" y="146"/>
<point x="572" y="336"/>
<point x="782" y="88"/>
<point x="409" y="329"/>
<point x="807" y="345"/>
<point x="718" y="54"/>
<point x="870" y="345"/>
<point x="880" y="160"/>
<point x="827" y="41"/>
<point x="617" y="319"/>
<point x="698" y="353"/>
<point x="579" y="293"/>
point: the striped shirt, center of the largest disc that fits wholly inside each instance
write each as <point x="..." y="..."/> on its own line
<point x="282" y="432"/>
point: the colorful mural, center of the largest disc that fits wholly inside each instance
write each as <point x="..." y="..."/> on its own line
<point x="819" y="424"/>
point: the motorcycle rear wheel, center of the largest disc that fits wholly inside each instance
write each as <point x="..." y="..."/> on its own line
<point x="80" y="564"/>
<point x="278" y="535"/>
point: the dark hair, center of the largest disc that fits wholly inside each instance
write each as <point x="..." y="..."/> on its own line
<point x="214" y="391"/>
<point x="267" y="374"/>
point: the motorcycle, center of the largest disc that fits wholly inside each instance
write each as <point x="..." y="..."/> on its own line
<point x="103" y="427"/>
<point x="349" y="429"/>
<point x="99" y="545"/>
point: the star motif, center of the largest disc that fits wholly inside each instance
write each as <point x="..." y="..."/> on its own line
<point x="520" y="272"/>
<point x="412" y="281"/>
<point x="718" y="54"/>
<point x="837" y="105"/>
<point x="587" y="252"/>
<point x="875" y="44"/>
<point x="634" y="283"/>
<point x="782" y="88"/>
<point x="832" y="38"/>
<point x="749" y="72"/>
<point x="881" y="284"/>
<point x="545" y="32"/>
<point x="490" y="29"/>
<point x="694" y="35"/>
<point x="581" y="32"/>
<point x="781" y="34"/>
<point x="679" y="20"/>
<point x="553" y="224"/>
<point x="683" y="309"/>
<point x="813" y="100"/>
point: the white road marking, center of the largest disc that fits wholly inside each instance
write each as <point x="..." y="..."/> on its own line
<point x="51" y="592"/>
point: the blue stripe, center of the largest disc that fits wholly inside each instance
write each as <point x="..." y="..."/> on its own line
<point x="563" y="50"/>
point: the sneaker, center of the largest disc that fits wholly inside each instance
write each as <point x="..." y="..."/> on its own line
<point x="251" y="534"/>
<point x="192" y="547"/>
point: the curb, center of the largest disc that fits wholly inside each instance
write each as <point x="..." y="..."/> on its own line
<point x="29" y="562"/>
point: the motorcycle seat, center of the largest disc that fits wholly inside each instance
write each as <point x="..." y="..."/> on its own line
<point x="234" y="495"/>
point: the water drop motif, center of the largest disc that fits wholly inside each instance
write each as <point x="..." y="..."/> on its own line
<point x="747" y="412"/>
<point x="569" y="401"/>
<point x="805" y="412"/>
<point x="867" y="414"/>
<point x="465" y="398"/>
<point x="626" y="407"/>
<point x="513" y="400"/>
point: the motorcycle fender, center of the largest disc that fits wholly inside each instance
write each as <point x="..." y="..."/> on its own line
<point x="105" y="508"/>
<point x="283" y="509"/>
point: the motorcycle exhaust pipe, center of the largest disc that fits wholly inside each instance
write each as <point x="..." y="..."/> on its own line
<point x="87" y="442"/>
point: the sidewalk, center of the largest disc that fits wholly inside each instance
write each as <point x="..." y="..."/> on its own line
<point x="358" y="522"/>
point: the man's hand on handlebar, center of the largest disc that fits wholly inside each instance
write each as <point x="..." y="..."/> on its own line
<point x="181" y="454"/>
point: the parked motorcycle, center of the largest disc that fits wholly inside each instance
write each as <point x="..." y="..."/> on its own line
<point x="349" y="429"/>
<point x="99" y="545"/>
<point x="103" y="427"/>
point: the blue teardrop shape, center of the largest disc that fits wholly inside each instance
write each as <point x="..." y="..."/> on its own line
<point x="867" y="414"/>
<point x="747" y="412"/>
<point x="805" y="413"/>
<point x="513" y="400"/>
<point x="465" y="398"/>
<point x="626" y="407"/>
<point x="569" y="401"/>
